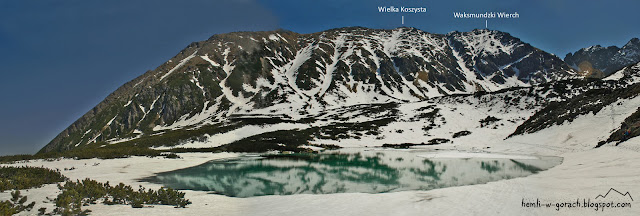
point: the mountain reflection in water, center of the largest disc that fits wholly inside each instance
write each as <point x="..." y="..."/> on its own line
<point x="367" y="172"/>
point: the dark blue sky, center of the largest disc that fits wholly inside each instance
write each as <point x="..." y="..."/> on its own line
<point x="58" y="59"/>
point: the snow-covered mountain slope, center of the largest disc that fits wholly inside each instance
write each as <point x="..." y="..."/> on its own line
<point x="230" y="81"/>
<point x="628" y="75"/>
<point x="479" y="118"/>
<point x="597" y="61"/>
<point x="613" y="100"/>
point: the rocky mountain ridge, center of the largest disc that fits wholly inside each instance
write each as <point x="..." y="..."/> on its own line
<point x="597" y="61"/>
<point x="292" y="76"/>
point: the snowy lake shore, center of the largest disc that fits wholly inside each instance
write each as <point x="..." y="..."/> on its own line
<point x="584" y="174"/>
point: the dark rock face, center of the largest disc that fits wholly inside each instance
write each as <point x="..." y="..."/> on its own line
<point x="597" y="61"/>
<point x="501" y="56"/>
<point x="289" y="74"/>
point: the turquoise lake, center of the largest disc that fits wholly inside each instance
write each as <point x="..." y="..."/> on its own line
<point x="345" y="172"/>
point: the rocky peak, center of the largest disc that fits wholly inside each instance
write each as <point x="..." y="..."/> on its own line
<point x="598" y="61"/>
<point x="633" y="42"/>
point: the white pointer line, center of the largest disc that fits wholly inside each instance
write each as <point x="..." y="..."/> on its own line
<point x="402" y="20"/>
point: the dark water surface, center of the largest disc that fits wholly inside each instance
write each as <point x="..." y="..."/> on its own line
<point x="339" y="172"/>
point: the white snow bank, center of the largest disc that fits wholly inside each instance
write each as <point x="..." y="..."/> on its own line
<point x="237" y="134"/>
<point x="460" y="154"/>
